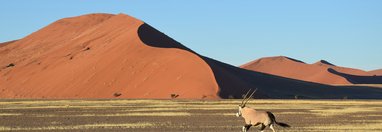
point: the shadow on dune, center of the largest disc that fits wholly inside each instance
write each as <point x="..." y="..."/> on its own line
<point x="152" y="37"/>
<point x="295" y="60"/>
<point x="326" y="62"/>
<point x="234" y="81"/>
<point x="355" y="79"/>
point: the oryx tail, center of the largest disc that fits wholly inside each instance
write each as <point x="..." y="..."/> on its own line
<point x="273" y="118"/>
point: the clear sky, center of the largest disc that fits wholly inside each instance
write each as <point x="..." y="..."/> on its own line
<point x="344" y="32"/>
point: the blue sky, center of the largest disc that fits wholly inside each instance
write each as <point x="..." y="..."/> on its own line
<point x="344" y="32"/>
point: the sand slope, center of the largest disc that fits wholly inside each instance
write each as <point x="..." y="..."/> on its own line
<point x="118" y="56"/>
<point x="376" y="72"/>
<point x="318" y="72"/>
<point x="6" y="43"/>
<point x="347" y="70"/>
<point x="291" y="68"/>
<point x="96" y="56"/>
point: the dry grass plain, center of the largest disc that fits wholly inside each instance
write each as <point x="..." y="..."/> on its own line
<point x="185" y="115"/>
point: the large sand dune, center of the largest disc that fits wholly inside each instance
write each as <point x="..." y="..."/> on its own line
<point x="109" y="56"/>
<point x="96" y="56"/>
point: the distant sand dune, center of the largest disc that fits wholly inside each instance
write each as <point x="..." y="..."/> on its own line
<point x="317" y="72"/>
<point x="376" y="72"/>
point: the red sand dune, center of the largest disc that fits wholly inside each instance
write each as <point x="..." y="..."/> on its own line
<point x="376" y="72"/>
<point x="351" y="71"/>
<point x="292" y="68"/>
<point x="109" y="56"/>
<point x="6" y="43"/>
<point x="97" y="55"/>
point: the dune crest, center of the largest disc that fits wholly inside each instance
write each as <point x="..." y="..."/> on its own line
<point x="317" y="72"/>
<point x="323" y="63"/>
<point x="376" y="72"/>
<point x="285" y="67"/>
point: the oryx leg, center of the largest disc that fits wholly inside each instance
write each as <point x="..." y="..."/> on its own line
<point x="262" y="127"/>
<point x="246" y="127"/>
<point x="271" y="126"/>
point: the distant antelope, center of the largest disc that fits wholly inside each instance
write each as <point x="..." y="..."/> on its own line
<point x="253" y="117"/>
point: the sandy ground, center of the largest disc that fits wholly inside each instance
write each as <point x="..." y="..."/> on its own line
<point x="184" y="115"/>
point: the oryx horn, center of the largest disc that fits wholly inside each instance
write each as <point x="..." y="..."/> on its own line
<point x="245" y="96"/>
<point x="250" y="96"/>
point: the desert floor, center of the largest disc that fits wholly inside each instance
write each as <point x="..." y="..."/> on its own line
<point x="185" y="115"/>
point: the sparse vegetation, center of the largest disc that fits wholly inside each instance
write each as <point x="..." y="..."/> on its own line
<point x="117" y="94"/>
<point x="78" y="127"/>
<point x="173" y="96"/>
<point x="87" y="48"/>
<point x="184" y="115"/>
<point x="10" y="65"/>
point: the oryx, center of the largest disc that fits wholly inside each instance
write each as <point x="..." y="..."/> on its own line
<point x="253" y="117"/>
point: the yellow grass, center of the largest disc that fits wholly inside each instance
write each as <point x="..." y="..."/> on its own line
<point x="303" y="115"/>
<point x="74" y="127"/>
<point x="142" y="114"/>
<point x="160" y="114"/>
<point x="353" y="127"/>
<point x="342" y="111"/>
<point x="10" y="114"/>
